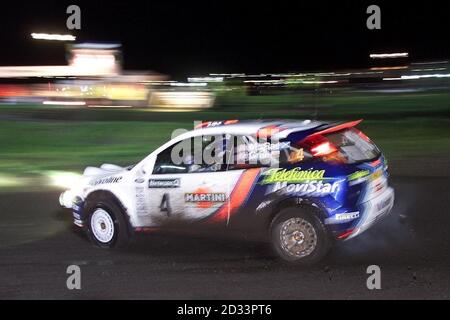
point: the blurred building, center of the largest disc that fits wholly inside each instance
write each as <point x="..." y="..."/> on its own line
<point x="93" y="77"/>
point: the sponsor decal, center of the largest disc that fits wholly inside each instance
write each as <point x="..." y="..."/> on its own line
<point x="204" y="198"/>
<point x="141" y="204"/>
<point x="312" y="188"/>
<point x="342" y="217"/>
<point x="296" y="156"/>
<point x="358" y="175"/>
<point x="164" y="183"/>
<point x="295" y="175"/>
<point x="347" y="216"/>
<point x="310" y="182"/>
<point x="106" y="180"/>
<point x="377" y="174"/>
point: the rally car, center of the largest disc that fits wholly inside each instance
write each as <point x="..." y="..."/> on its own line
<point x="302" y="184"/>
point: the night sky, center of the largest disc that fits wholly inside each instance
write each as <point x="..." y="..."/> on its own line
<point x="183" y="38"/>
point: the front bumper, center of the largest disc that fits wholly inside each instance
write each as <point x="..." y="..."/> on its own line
<point x="68" y="200"/>
<point x="373" y="211"/>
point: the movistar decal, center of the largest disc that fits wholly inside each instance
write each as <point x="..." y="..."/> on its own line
<point x="312" y="188"/>
<point x="292" y="176"/>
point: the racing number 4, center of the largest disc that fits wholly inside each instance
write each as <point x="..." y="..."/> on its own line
<point x="165" y="205"/>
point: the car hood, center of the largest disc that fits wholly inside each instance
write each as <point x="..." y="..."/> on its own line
<point x="102" y="171"/>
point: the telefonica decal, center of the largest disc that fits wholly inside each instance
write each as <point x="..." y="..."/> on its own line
<point x="292" y="176"/>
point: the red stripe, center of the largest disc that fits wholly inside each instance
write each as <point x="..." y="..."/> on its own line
<point x="237" y="197"/>
<point x="346" y="234"/>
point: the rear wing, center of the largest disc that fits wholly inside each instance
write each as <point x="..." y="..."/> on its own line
<point x="338" y="127"/>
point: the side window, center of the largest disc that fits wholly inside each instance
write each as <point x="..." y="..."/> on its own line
<point x="165" y="164"/>
<point x="198" y="154"/>
<point x="248" y="152"/>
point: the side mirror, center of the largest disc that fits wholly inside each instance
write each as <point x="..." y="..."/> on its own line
<point x="147" y="167"/>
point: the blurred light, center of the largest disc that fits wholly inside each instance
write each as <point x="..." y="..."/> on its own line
<point x="182" y="99"/>
<point x="232" y="75"/>
<point x="320" y="82"/>
<point x="94" y="60"/>
<point x="63" y="179"/>
<point x="9" y="181"/>
<point x="389" y="55"/>
<point x="66" y="198"/>
<point x="429" y="69"/>
<point x="182" y="84"/>
<point x="430" y="62"/>
<point x="111" y="106"/>
<point x="323" y="149"/>
<point x="205" y="79"/>
<point x="389" y="68"/>
<point x="53" y="37"/>
<point x="265" y="81"/>
<point x="65" y="103"/>
<point x="423" y="76"/>
<point x="94" y="45"/>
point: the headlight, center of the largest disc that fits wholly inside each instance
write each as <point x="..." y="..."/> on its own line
<point x="66" y="199"/>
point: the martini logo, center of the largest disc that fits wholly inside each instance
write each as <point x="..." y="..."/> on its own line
<point x="204" y="199"/>
<point x="292" y="176"/>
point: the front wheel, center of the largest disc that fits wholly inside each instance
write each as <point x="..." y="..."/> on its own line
<point x="298" y="236"/>
<point x="106" y="224"/>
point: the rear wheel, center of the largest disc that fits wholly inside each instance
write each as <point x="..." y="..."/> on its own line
<point x="298" y="236"/>
<point x="106" y="224"/>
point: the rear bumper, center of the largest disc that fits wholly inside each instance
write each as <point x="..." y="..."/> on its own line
<point x="373" y="211"/>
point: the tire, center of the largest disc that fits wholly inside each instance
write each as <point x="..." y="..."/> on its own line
<point x="106" y="225"/>
<point x="298" y="236"/>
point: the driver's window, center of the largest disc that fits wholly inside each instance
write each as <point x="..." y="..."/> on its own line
<point x="193" y="155"/>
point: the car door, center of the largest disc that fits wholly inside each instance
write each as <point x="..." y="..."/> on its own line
<point x="193" y="189"/>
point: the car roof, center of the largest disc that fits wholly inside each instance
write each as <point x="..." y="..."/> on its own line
<point x="251" y="127"/>
<point x="246" y="127"/>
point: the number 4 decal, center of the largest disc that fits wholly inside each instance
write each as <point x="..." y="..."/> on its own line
<point x="165" y="205"/>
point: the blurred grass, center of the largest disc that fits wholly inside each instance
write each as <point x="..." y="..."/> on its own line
<point x="323" y="105"/>
<point x="35" y="146"/>
<point x="36" y="138"/>
<point x="28" y="146"/>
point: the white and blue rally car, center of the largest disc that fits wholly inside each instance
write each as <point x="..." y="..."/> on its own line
<point x="299" y="184"/>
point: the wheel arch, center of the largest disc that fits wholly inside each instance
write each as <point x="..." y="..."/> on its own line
<point x="98" y="194"/>
<point x="295" y="202"/>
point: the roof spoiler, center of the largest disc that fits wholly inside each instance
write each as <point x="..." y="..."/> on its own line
<point x="339" y="127"/>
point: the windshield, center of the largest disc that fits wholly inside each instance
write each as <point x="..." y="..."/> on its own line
<point x="353" y="146"/>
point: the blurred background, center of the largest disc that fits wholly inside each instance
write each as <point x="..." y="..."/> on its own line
<point x="116" y="89"/>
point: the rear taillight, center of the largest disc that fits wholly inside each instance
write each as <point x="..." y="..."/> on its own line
<point x="318" y="146"/>
<point x="323" y="149"/>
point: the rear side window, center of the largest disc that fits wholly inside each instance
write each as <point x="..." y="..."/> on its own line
<point x="353" y="145"/>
